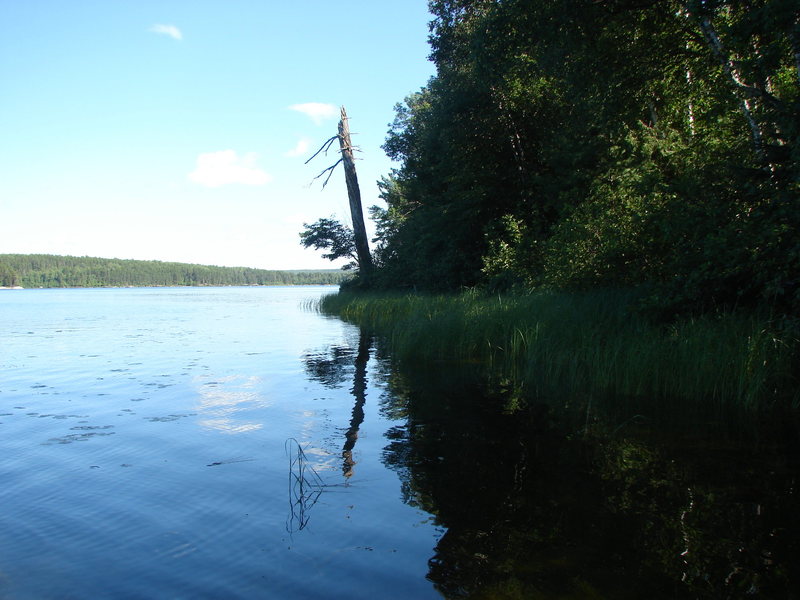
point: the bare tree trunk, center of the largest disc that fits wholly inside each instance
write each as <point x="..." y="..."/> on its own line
<point x="691" y="104"/>
<point x="514" y="137"/>
<point x="735" y="78"/>
<point x="653" y="113"/>
<point x="354" y="193"/>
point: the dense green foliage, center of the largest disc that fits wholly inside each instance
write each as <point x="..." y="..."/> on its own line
<point x="44" y="270"/>
<point x="581" y="344"/>
<point x="334" y="237"/>
<point x="577" y="144"/>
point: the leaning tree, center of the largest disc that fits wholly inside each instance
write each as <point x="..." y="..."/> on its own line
<point x="363" y="257"/>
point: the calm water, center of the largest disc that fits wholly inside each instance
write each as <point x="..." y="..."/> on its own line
<point x="144" y="451"/>
<point x="230" y="443"/>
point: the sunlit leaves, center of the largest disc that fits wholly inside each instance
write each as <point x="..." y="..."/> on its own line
<point x="330" y="235"/>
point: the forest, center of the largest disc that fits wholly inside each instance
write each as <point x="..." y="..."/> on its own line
<point x="49" y="271"/>
<point x="599" y="190"/>
<point x="650" y="145"/>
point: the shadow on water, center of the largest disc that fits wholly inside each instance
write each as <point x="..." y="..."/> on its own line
<point x="592" y="499"/>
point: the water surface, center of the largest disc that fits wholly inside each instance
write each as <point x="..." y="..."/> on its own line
<point x="145" y="451"/>
<point x="232" y="443"/>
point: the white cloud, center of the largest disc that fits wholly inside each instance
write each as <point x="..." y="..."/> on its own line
<point x="169" y="30"/>
<point x="215" y="169"/>
<point x="301" y="149"/>
<point x="316" y="111"/>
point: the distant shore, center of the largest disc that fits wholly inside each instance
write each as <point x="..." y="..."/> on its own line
<point x="122" y="287"/>
<point x="33" y="271"/>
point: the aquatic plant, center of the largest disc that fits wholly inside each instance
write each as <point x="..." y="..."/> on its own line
<point x="590" y="343"/>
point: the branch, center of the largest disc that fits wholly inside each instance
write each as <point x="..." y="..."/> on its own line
<point x="325" y="146"/>
<point x="331" y="168"/>
<point x="730" y="67"/>
<point x="755" y="92"/>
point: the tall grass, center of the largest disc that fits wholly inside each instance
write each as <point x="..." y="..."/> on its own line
<point x="560" y="343"/>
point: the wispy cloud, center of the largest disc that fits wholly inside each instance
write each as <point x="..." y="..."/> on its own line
<point x="301" y="149"/>
<point x="169" y="30"/>
<point x="214" y="169"/>
<point x="316" y="111"/>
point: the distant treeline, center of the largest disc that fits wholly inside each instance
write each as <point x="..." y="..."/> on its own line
<point x="49" y="271"/>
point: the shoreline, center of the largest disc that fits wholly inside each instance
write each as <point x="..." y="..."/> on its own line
<point x="579" y="345"/>
<point x="127" y="287"/>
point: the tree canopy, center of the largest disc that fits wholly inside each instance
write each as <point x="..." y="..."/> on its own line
<point x="596" y="143"/>
<point x="330" y="235"/>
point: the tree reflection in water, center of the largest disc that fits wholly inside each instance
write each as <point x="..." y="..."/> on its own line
<point x="538" y="502"/>
<point x="538" y="505"/>
<point x="359" y="391"/>
<point x="333" y="369"/>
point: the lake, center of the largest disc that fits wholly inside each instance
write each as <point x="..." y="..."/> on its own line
<point x="234" y="443"/>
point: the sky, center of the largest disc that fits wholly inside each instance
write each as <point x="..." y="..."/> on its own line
<point x="178" y="130"/>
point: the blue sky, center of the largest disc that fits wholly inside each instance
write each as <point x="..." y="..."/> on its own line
<point x="177" y="131"/>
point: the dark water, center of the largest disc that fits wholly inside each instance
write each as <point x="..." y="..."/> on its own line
<point x="228" y="443"/>
<point x="543" y="503"/>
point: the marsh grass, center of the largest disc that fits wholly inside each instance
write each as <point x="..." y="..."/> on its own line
<point x="590" y="343"/>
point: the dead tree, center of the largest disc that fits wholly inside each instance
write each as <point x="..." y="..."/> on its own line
<point x="353" y="190"/>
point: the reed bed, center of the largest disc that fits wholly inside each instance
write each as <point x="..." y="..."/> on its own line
<point x="579" y="343"/>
